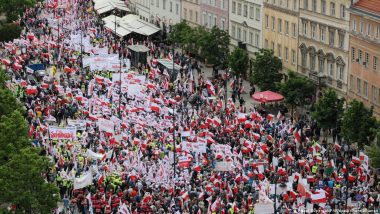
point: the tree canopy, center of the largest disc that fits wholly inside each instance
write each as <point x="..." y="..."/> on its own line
<point x="239" y="61"/>
<point x="215" y="47"/>
<point x="297" y="91"/>
<point x="373" y="151"/>
<point x="358" y="124"/>
<point x="266" y="69"/>
<point x="14" y="8"/>
<point x="22" y="183"/>
<point x="328" y="110"/>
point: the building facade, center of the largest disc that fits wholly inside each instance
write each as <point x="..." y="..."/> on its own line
<point x="245" y="24"/>
<point x="280" y="31"/>
<point x="191" y="12"/>
<point x="142" y="8"/>
<point x="165" y="13"/>
<point x="214" y="13"/>
<point x="323" y="42"/>
<point x="364" y="77"/>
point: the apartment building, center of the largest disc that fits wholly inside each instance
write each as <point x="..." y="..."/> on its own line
<point x="191" y="12"/>
<point x="364" y="46"/>
<point x="280" y="31"/>
<point x="165" y="13"/>
<point x="323" y="42"/>
<point x="245" y="24"/>
<point x="214" y="13"/>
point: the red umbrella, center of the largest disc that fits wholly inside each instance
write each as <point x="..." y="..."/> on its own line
<point x="267" y="96"/>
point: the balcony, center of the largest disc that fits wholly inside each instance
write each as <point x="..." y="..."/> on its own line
<point x="318" y="78"/>
<point x="339" y="84"/>
<point x="329" y="80"/>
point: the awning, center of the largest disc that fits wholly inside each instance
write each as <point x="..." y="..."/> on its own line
<point x="138" y="48"/>
<point x="103" y="6"/>
<point x="267" y="96"/>
<point x="169" y="64"/>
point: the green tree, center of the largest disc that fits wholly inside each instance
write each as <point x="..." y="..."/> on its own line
<point x="3" y="79"/>
<point x="14" y="8"/>
<point x="239" y="61"/>
<point x="328" y="110"/>
<point x="373" y="151"/>
<point x="266" y="69"/>
<point x="22" y="183"/>
<point x="8" y="102"/>
<point x="13" y="135"/>
<point x="214" y="47"/>
<point x="192" y="40"/>
<point x="358" y="124"/>
<point x="297" y="91"/>
<point x="180" y="33"/>
<point x="9" y="31"/>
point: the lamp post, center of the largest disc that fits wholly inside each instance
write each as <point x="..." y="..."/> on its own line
<point x="119" y="110"/>
<point x="226" y="87"/>
<point x="275" y="192"/>
<point x="174" y="127"/>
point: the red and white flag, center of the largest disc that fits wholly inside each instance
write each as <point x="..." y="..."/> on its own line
<point x="320" y="197"/>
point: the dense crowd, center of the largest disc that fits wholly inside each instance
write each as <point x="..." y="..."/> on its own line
<point x="163" y="145"/>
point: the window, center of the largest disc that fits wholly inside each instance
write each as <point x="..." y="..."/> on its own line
<point x="354" y="24"/>
<point x="323" y="6"/>
<point x="293" y="57"/>
<point x="233" y="31"/>
<point x="322" y="31"/>
<point x="257" y="14"/>
<point x="321" y="65"/>
<point x="342" y="11"/>
<point x="251" y="38"/>
<point x="171" y="6"/>
<point x="314" y="5"/>
<point x="266" y="21"/>
<point x="366" y="63"/>
<point x="361" y="26"/>
<point x="303" y="59"/>
<point x="365" y="89"/>
<point x="222" y="23"/>
<point x="305" y="4"/>
<point x="332" y="9"/>
<point x="374" y="63"/>
<point x="152" y="2"/>
<point x="369" y="29"/>
<point x="351" y="82"/>
<point x="266" y="44"/>
<point x="279" y="50"/>
<point x="286" y="27"/>
<point x="196" y="16"/>
<point x="280" y="25"/>
<point x="239" y="33"/>
<point x="257" y="40"/>
<point x="245" y="10"/>
<point x="360" y="56"/>
<point x="305" y="28"/>
<point x="341" y="40"/>
<point x="352" y="53"/>
<point x="340" y="72"/>
<point x="239" y="9"/>
<point x="331" y="70"/>
<point x="286" y="53"/>
<point x="223" y="4"/>
<point x="215" y="21"/>
<point x="185" y="13"/>
<point x="210" y="22"/>
<point x="378" y="32"/>
<point x="312" y="62"/>
<point x="244" y="35"/>
<point x="157" y="3"/>
<point x="287" y="3"/>
<point x="273" y="23"/>
<point x="164" y="4"/>
<point x="374" y="94"/>
<point x="332" y="37"/>
<point x="251" y="12"/>
<point x="294" y="29"/>
<point x="295" y="4"/>
<point x="191" y="15"/>
<point x="313" y="31"/>
<point x="205" y="22"/>
<point x="272" y="45"/>
<point x="176" y="9"/>
<point x="358" y="86"/>
<point x="233" y="7"/>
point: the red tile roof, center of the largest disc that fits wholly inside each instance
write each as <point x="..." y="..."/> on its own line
<point x="372" y="6"/>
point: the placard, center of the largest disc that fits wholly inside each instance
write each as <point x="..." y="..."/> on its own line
<point x="59" y="133"/>
<point x="223" y="166"/>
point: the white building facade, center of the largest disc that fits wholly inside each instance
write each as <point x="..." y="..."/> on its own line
<point x="245" y="24"/>
<point x="165" y="13"/>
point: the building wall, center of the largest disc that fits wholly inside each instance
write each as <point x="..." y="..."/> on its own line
<point x="364" y="62"/>
<point x="323" y="42"/>
<point x="214" y="13"/>
<point x="191" y="12"/>
<point x="143" y="9"/>
<point x="245" y="24"/>
<point x="165" y="12"/>
<point x="280" y="31"/>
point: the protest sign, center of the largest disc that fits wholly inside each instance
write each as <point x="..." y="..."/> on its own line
<point x="106" y="125"/>
<point x="59" y="133"/>
<point x="264" y="208"/>
<point x="223" y="166"/>
<point x="199" y="147"/>
<point x="79" y="124"/>
<point x="83" y="181"/>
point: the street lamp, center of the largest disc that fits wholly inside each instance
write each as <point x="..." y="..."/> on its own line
<point x="228" y="71"/>
<point x="119" y="110"/>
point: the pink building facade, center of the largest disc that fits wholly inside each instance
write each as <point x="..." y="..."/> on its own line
<point x="214" y="13"/>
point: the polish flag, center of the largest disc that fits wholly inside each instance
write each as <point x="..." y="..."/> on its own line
<point x="101" y="179"/>
<point x="302" y="162"/>
<point x="320" y="197"/>
<point x="31" y="90"/>
<point x="279" y="116"/>
<point x="289" y="157"/>
<point x="319" y="159"/>
<point x="155" y="107"/>
<point x="361" y="156"/>
<point x="256" y="136"/>
<point x="337" y="146"/>
<point x="344" y="169"/>
<point x="210" y="140"/>
<point x="210" y="88"/>
<point x="197" y="168"/>
<point x="355" y="160"/>
<point x="242" y="117"/>
<point x="270" y="117"/>
<point x="185" y="196"/>
<point x="351" y="178"/>
<point x="217" y="122"/>
<point x="297" y="135"/>
<point x="310" y="178"/>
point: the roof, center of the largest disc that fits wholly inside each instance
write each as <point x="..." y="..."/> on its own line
<point x="138" y="48"/>
<point x="371" y="7"/>
<point x="168" y="64"/>
<point x="129" y="23"/>
<point x="103" y="6"/>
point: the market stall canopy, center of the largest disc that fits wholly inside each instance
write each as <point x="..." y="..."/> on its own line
<point x="169" y="64"/>
<point x="129" y="23"/>
<point x="104" y="6"/>
<point x="267" y="96"/>
<point x="138" y="48"/>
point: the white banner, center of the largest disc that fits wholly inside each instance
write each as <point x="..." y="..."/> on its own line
<point x="223" y="166"/>
<point x="66" y="133"/>
<point x="199" y="147"/>
<point x="79" y="124"/>
<point x="94" y="155"/>
<point x="264" y="208"/>
<point x="83" y="181"/>
<point x="106" y="125"/>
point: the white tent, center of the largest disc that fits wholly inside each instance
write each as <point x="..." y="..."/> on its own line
<point x="103" y="6"/>
<point x="129" y="23"/>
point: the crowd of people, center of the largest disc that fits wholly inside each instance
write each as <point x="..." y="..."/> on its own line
<point x="148" y="143"/>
